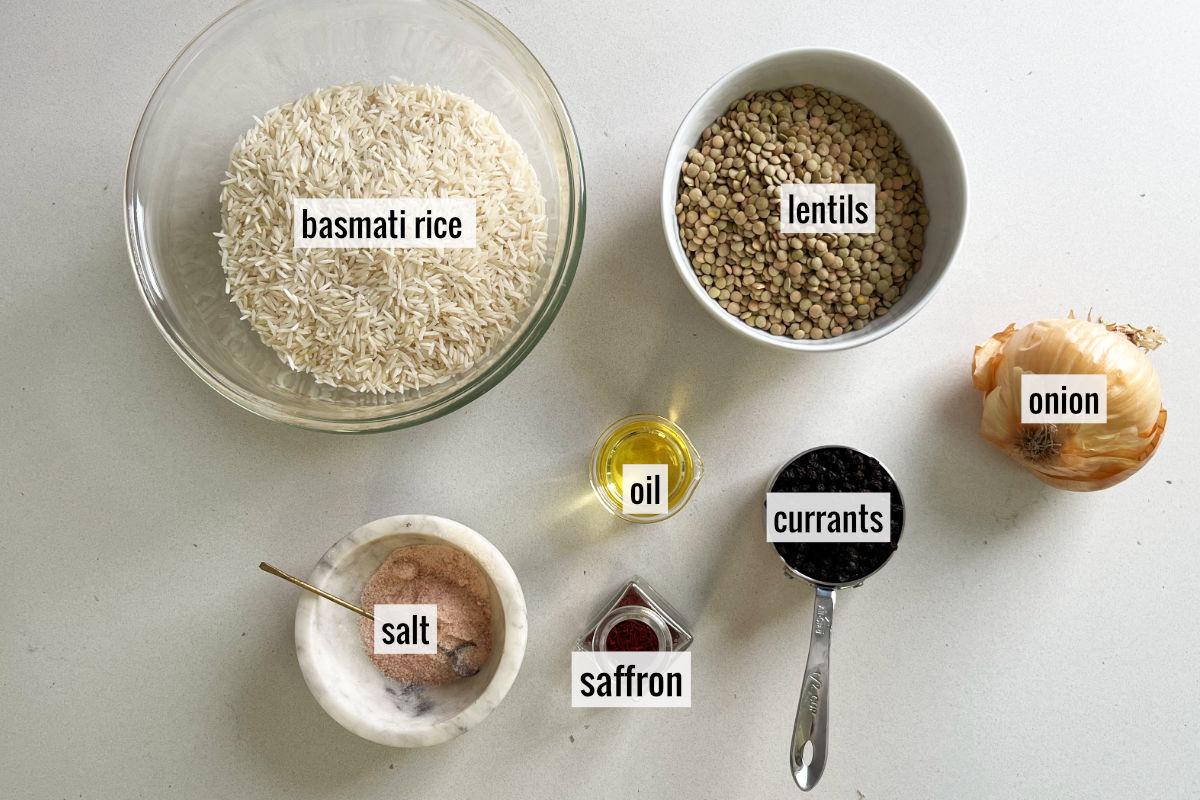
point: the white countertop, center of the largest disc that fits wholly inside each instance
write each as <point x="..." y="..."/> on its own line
<point x="1024" y="642"/>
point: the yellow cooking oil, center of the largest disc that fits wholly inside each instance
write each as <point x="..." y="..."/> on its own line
<point x="645" y="439"/>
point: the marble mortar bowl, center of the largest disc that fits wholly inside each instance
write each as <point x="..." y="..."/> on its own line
<point x="335" y="662"/>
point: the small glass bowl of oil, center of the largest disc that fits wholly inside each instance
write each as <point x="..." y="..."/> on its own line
<point x="645" y="439"/>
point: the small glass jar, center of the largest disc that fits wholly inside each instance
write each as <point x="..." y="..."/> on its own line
<point x="637" y="602"/>
<point x="645" y="439"/>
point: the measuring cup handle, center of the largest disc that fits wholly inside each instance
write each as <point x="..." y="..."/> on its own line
<point x="812" y="715"/>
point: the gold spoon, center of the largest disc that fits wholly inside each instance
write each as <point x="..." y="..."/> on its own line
<point x="265" y="567"/>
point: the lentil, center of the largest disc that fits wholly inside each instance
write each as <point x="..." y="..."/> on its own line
<point x="804" y="134"/>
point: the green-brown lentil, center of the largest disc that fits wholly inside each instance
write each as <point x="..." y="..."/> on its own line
<point x="799" y="285"/>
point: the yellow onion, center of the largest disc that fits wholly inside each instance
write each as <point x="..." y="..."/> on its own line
<point x="1080" y="457"/>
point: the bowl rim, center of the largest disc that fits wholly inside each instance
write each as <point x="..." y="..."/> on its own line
<point x="574" y="224"/>
<point x="499" y="572"/>
<point x="879" y="327"/>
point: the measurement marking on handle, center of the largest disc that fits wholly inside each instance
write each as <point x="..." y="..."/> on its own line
<point x="813" y="700"/>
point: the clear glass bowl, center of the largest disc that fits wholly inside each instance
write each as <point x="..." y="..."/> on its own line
<point x="264" y="53"/>
<point x="691" y="465"/>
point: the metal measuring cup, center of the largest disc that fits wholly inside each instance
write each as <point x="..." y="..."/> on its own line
<point x="810" y="735"/>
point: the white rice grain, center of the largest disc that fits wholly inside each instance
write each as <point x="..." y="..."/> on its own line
<point x="379" y="320"/>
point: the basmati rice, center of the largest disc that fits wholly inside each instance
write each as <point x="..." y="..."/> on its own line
<point x="373" y="319"/>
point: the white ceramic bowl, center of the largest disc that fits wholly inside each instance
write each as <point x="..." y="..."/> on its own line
<point x="923" y="130"/>
<point x="343" y="679"/>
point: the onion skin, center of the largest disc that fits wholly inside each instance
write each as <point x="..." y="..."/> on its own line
<point x="1083" y="457"/>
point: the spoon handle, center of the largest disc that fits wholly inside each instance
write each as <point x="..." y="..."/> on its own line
<point x="276" y="571"/>
<point x="810" y="737"/>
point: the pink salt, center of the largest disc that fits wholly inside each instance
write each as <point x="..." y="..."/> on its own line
<point x="451" y="580"/>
